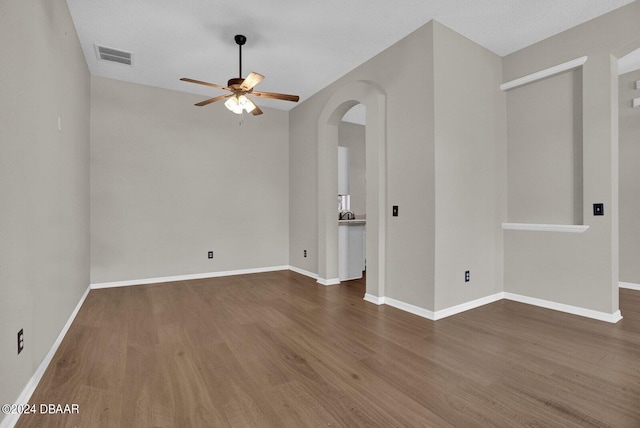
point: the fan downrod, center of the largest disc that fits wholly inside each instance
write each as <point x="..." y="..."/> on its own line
<point x="240" y="40"/>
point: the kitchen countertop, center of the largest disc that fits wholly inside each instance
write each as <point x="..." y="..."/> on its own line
<point x="356" y="222"/>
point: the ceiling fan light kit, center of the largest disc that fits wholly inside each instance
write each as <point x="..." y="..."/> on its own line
<point x="238" y="101"/>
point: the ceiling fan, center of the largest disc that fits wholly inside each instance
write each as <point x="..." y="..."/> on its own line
<point x="238" y="101"/>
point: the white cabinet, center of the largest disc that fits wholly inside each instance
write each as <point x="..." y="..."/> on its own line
<point x="343" y="171"/>
<point x="351" y="251"/>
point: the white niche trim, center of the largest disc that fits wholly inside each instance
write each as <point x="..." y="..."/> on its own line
<point x="537" y="227"/>
<point x="556" y="69"/>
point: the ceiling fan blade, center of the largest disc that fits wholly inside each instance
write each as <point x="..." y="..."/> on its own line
<point x="200" y="82"/>
<point x="256" y="111"/>
<point x="275" y="96"/>
<point x="252" y="80"/>
<point x="212" y="100"/>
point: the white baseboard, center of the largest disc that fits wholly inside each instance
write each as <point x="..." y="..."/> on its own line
<point x="303" y="272"/>
<point x="128" y="283"/>
<point x="574" y="310"/>
<point x="443" y="313"/>
<point x="412" y="309"/>
<point x="330" y="281"/>
<point x="434" y="316"/>
<point x="12" y="418"/>
<point x="426" y="313"/>
<point x="629" y="285"/>
<point x="187" y="277"/>
<point x="373" y="299"/>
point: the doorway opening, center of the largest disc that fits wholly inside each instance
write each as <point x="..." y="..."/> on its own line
<point x="352" y="214"/>
<point x="372" y="98"/>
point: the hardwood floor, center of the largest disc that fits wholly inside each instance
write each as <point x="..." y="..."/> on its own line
<point x="279" y="350"/>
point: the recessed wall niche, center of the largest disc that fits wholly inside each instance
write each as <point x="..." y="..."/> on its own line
<point x="544" y="150"/>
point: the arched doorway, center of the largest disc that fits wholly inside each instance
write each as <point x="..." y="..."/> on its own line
<point x="373" y="98"/>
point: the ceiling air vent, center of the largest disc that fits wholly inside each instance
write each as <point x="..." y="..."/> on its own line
<point x="115" y="55"/>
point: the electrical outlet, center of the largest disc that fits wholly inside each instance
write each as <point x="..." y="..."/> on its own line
<point x="210" y="254"/>
<point x="20" y="340"/>
<point x="305" y="253"/>
<point x="467" y="276"/>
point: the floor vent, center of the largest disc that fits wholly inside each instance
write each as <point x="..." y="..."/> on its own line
<point x="115" y="55"/>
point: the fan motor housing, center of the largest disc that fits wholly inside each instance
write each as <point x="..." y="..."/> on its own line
<point x="235" y="81"/>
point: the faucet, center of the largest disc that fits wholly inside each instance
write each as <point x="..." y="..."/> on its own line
<point x="346" y="215"/>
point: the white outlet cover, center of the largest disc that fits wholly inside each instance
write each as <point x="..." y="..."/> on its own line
<point x="637" y="84"/>
<point x="636" y="102"/>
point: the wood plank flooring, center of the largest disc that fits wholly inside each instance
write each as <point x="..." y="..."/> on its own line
<point x="279" y="350"/>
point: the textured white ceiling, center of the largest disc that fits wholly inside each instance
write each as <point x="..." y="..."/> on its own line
<point x="300" y="46"/>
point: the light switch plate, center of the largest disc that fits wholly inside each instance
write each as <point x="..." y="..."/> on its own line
<point x="598" y="209"/>
<point x="20" y="340"/>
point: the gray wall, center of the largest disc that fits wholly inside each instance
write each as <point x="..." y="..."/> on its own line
<point x="171" y="181"/>
<point x="470" y="149"/>
<point x="351" y="135"/>
<point x="629" y="179"/>
<point x="44" y="182"/>
<point x="545" y="150"/>
<point x="578" y="269"/>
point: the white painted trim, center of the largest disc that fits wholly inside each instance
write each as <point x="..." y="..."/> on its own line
<point x="570" y="228"/>
<point x="187" y="277"/>
<point x="426" y="313"/>
<point x="303" y="272"/>
<point x="443" y="313"/>
<point x="11" y="419"/>
<point x="373" y="299"/>
<point x="629" y="285"/>
<point x="330" y="281"/>
<point x="453" y="310"/>
<point x="615" y="317"/>
<point x="574" y="310"/>
<point x="547" y="72"/>
<point x="412" y="309"/>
